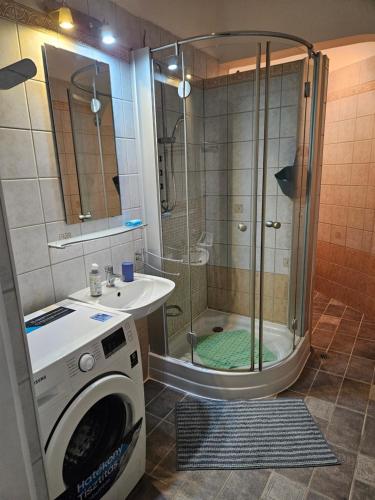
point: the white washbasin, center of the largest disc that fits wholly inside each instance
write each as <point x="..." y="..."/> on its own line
<point x="140" y="297"/>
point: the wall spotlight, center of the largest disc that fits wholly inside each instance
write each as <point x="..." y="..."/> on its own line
<point x="65" y="18"/>
<point x="173" y="63"/>
<point x="188" y="76"/>
<point x="107" y="34"/>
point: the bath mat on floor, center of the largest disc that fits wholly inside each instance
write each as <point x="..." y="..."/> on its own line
<point x="248" y="435"/>
<point x="230" y="349"/>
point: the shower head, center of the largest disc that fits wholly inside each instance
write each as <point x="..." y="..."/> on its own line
<point x="172" y="138"/>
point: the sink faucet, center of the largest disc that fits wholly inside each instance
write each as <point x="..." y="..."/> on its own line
<point x="110" y="276"/>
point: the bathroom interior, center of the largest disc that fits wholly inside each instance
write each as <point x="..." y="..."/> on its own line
<point x="212" y="173"/>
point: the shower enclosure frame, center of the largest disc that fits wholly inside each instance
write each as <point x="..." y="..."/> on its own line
<point x="251" y="383"/>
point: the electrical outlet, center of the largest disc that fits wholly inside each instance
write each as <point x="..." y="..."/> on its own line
<point x="286" y="261"/>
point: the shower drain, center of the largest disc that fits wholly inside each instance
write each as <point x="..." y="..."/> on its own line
<point x="324" y="355"/>
<point x="217" y="329"/>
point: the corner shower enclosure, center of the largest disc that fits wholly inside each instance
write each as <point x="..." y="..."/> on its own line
<point x="236" y="172"/>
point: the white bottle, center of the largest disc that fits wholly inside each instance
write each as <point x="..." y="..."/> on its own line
<point x="95" y="281"/>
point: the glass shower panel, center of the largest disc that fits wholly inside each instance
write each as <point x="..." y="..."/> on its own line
<point x="221" y="331"/>
<point x="173" y="201"/>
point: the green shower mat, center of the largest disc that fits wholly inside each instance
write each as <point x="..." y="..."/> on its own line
<point x="229" y="349"/>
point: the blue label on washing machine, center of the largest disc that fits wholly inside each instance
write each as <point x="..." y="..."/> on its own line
<point x="101" y="317"/>
<point x="94" y="485"/>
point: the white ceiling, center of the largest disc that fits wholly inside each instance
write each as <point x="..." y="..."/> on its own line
<point x="314" y="20"/>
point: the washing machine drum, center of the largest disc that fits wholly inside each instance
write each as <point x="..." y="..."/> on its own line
<point x="94" y="439"/>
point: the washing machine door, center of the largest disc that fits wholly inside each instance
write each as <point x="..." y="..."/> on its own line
<point x="94" y="438"/>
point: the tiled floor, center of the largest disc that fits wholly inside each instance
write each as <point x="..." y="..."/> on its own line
<point x="338" y="387"/>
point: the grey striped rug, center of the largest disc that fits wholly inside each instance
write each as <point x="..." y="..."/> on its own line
<point x="248" y="435"/>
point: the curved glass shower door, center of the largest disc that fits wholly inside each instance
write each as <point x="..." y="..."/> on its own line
<point x="236" y="233"/>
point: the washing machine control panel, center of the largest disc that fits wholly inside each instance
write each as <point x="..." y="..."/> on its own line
<point x="86" y="362"/>
<point x="113" y="342"/>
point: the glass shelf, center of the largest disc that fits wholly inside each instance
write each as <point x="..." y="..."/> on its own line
<point x="114" y="231"/>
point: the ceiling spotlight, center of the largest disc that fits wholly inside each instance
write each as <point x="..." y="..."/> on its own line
<point x="173" y="63"/>
<point x="107" y="34"/>
<point x="188" y="76"/>
<point x="65" y="18"/>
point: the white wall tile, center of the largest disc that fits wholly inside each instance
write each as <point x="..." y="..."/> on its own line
<point x="239" y="256"/>
<point x="45" y="154"/>
<point x="13" y="108"/>
<point x="129" y="189"/>
<point x="92" y="227"/>
<point x="17" y="155"/>
<point x="10" y="52"/>
<point x="216" y="182"/>
<point x="23" y="202"/>
<point x="68" y="277"/>
<point x="216" y="129"/>
<point x="29" y="246"/>
<point x="60" y="230"/>
<point x="38" y="105"/>
<point x="288" y="126"/>
<point x="240" y="97"/>
<point x="120" y="253"/>
<point x="52" y="200"/>
<point x="36" y="289"/>
<point x="240" y="127"/>
<point x="102" y="258"/>
<point x="240" y="155"/>
<point x="126" y="81"/>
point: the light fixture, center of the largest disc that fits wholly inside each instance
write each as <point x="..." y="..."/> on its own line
<point x="65" y="18"/>
<point x="107" y="34"/>
<point x="173" y="63"/>
<point x="188" y="76"/>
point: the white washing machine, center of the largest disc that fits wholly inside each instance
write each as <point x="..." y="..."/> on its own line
<point x="88" y="380"/>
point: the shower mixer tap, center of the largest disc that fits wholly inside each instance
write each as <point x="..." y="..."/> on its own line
<point x="275" y="224"/>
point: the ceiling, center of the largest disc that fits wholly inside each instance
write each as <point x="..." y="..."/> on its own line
<point x="316" y="21"/>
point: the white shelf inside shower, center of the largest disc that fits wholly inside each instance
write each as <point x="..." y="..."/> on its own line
<point x="105" y="233"/>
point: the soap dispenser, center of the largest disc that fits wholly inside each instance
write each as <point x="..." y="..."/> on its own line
<point x="95" y="281"/>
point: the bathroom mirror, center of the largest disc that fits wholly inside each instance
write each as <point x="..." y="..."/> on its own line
<point x="81" y="106"/>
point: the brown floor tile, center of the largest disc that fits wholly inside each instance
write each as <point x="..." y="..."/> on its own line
<point x="151" y="422"/>
<point x="365" y="469"/>
<point x="354" y="395"/>
<point x="352" y="314"/>
<point x="313" y="495"/>
<point x="360" y="369"/>
<point x="159" y="441"/>
<point x="368" y="437"/>
<point x="345" y="428"/>
<point x="335" y="481"/>
<point x="335" y="362"/>
<point x="362" y="491"/>
<point x="364" y="349"/>
<point x="348" y="327"/>
<point x="205" y="484"/>
<point x="152" y="389"/>
<point x="342" y="343"/>
<point x="279" y="487"/>
<point x="367" y="330"/>
<point x="305" y="380"/>
<point x="149" y="489"/>
<point x="291" y="394"/>
<point x="245" y="485"/>
<point x="164" y="402"/>
<point x="328" y="323"/>
<point x="335" y="309"/>
<point x="326" y="387"/>
<point x="371" y="408"/>
<point x="315" y="360"/>
<point x="321" y="338"/>
<point x="300" y="474"/>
